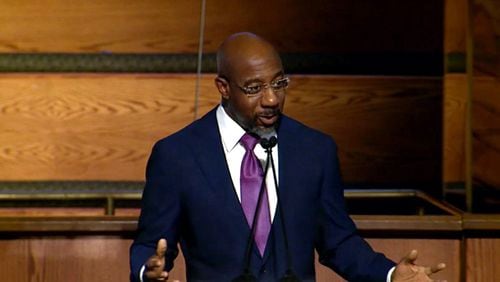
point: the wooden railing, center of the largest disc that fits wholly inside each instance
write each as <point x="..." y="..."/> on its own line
<point x="439" y="231"/>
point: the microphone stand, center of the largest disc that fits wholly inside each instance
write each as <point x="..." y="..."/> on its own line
<point x="247" y="276"/>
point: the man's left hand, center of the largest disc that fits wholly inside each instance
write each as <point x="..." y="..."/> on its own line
<point x="408" y="271"/>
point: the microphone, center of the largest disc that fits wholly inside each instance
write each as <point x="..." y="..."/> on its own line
<point x="268" y="144"/>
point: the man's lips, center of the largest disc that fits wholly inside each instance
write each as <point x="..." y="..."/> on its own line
<point x="268" y="119"/>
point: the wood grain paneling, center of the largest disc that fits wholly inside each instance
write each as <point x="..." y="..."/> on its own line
<point x="87" y="126"/>
<point x="36" y="240"/>
<point x="105" y="258"/>
<point x="330" y="26"/>
<point x="82" y="258"/>
<point x="483" y="255"/>
<point x="431" y="252"/>
<point x="97" y="26"/>
<point x="486" y="94"/>
<point x="486" y="37"/>
<point x="170" y="26"/>
<point x="486" y="131"/>
<point x="85" y="259"/>
<point x="386" y="128"/>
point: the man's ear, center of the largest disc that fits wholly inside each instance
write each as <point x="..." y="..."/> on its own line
<point x="223" y="86"/>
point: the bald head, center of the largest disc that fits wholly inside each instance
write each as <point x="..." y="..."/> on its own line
<point x="240" y="49"/>
<point x="249" y="68"/>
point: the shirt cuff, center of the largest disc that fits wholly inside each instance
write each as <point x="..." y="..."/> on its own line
<point x="389" y="274"/>
<point x="141" y="273"/>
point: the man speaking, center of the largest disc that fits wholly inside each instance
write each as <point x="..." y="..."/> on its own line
<point x="209" y="188"/>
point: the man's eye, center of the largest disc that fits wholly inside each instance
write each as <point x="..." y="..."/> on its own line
<point x="253" y="89"/>
<point x="280" y="84"/>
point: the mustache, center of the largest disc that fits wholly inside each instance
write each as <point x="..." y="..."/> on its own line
<point x="269" y="112"/>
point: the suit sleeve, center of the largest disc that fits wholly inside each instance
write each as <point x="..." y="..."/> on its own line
<point x="160" y="211"/>
<point x="338" y="243"/>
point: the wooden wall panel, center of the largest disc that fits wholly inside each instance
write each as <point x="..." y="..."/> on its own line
<point x="330" y="26"/>
<point x="431" y="252"/>
<point x="105" y="258"/>
<point x="95" y="26"/>
<point x="486" y="131"/>
<point x="87" y="127"/>
<point x="89" y="258"/>
<point x="387" y="128"/>
<point x="483" y="255"/>
<point x="486" y="94"/>
<point x="486" y="35"/>
<point x="170" y="26"/>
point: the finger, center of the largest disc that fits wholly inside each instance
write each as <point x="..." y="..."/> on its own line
<point x="161" y="248"/>
<point x="410" y="258"/>
<point x="153" y="262"/>
<point x="157" y="275"/>
<point x="435" y="268"/>
<point x="164" y="275"/>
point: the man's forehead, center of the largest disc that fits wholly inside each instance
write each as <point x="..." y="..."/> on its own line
<point x="245" y="50"/>
<point x="262" y="70"/>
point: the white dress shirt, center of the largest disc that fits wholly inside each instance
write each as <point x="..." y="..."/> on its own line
<point x="231" y="133"/>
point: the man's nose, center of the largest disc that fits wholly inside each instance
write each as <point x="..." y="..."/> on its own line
<point x="269" y="98"/>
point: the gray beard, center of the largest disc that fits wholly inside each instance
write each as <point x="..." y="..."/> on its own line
<point x="265" y="132"/>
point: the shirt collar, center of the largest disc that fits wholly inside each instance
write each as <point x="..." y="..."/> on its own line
<point x="230" y="131"/>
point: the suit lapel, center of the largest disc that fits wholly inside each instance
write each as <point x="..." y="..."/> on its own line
<point x="209" y="152"/>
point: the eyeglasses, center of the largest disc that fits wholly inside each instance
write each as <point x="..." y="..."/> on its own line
<point x="255" y="89"/>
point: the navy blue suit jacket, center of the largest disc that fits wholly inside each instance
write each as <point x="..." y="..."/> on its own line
<point x="189" y="199"/>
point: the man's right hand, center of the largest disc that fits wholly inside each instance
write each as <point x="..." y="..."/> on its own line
<point x="155" y="266"/>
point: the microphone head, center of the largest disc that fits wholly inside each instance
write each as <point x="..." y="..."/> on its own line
<point x="273" y="140"/>
<point x="268" y="143"/>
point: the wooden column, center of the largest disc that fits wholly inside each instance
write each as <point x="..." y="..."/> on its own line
<point x="455" y="96"/>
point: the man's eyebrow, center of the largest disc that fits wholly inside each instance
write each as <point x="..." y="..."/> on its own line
<point x="280" y="73"/>
<point x="254" y="80"/>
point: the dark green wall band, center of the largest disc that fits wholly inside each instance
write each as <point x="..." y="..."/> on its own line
<point x="417" y="64"/>
<point x="456" y="63"/>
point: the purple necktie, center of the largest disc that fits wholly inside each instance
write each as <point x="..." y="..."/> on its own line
<point x="250" y="180"/>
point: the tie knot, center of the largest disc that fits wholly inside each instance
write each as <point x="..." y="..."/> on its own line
<point x="249" y="141"/>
